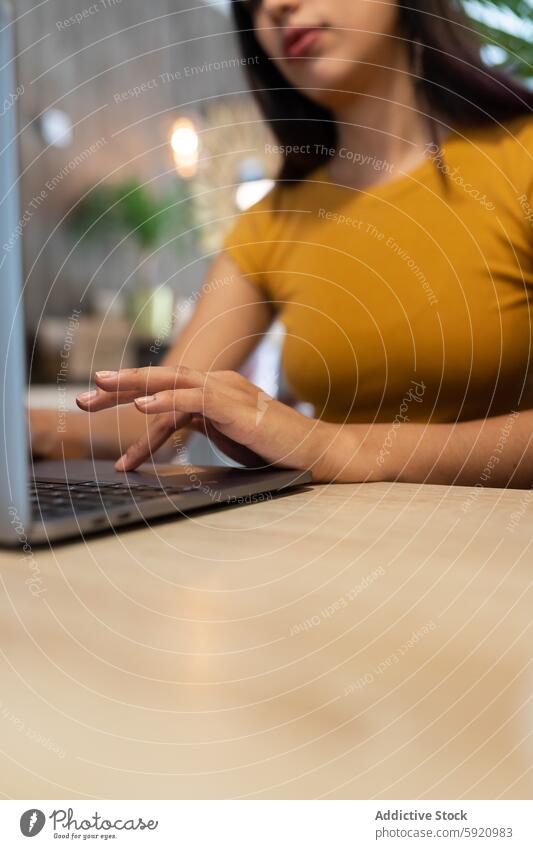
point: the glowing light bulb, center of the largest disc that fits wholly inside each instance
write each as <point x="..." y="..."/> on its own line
<point x="185" y="147"/>
<point x="56" y="128"/>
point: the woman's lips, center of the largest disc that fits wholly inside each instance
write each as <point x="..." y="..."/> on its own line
<point x="297" y="42"/>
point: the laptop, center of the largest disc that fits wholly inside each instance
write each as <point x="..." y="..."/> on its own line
<point x="53" y="500"/>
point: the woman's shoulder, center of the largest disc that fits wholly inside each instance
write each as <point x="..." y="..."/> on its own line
<point x="256" y="217"/>
<point x="258" y="231"/>
<point x="284" y="196"/>
<point x="514" y="136"/>
<point x="521" y="130"/>
<point x="500" y="154"/>
<point x="517" y="153"/>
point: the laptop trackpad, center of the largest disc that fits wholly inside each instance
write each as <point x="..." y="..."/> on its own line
<point x="104" y="471"/>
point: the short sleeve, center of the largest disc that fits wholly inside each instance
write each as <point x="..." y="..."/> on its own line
<point x="249" y="241"/>
<point x="523" y="167"/>
<point x="528" y="145"/>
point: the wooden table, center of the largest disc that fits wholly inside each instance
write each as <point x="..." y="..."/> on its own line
<point x="349" y="641"/>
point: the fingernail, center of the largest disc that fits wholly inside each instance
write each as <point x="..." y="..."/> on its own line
<point x="86" y="396"/>
<point x="145" y="400"/>
<point x="106" y="374"/>
<point x="120" y="464"/>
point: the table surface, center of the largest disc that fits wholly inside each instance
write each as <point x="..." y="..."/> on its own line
<point x="347" y="641"/>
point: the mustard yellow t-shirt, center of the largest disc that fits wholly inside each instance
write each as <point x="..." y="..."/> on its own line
<point x="411" y="295"/>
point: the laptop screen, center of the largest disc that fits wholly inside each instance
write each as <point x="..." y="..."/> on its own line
<point x="14" y="503"/>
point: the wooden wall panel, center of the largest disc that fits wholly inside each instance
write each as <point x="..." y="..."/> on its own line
<point x="82" y="68"/>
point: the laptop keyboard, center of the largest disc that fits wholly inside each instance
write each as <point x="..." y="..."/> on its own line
<point x="50" y="499"/>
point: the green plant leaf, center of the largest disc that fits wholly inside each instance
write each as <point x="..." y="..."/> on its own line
<point x="131" y="209"/>
<point x="508" y="26"/>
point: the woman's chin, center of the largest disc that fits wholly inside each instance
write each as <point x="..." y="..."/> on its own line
<point x="321" y="82"/>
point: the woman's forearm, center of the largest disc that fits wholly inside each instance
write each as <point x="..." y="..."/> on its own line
<point x="494" y="452"/>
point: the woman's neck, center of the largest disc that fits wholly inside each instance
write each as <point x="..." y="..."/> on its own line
<point x="383" y="123"/>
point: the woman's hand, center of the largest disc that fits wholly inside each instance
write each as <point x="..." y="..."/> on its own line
<point x="252" y="427"/>
<point x="242" y="420"/>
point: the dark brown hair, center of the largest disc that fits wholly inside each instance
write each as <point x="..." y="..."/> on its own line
<point x="452" y="80"/>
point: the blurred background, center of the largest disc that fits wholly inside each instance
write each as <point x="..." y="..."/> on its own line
<point x="139" y="145"/>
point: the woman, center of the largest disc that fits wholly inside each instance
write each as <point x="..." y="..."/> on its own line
<point x="396" y="248"/>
